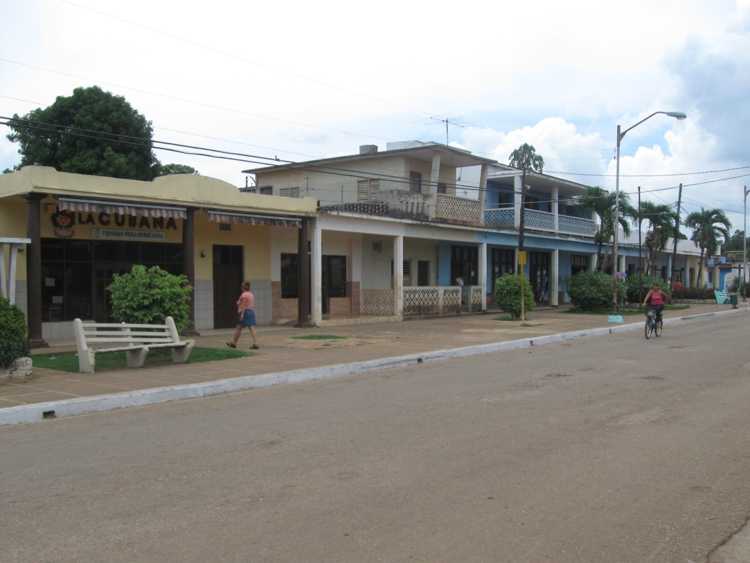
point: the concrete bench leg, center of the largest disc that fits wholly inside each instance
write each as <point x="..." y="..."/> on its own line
<point x="181" y="355"/>
<point x="136" y="358"/>
<point x="86" y="361"/>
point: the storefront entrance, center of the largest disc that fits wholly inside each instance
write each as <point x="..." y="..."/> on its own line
<point x="539" y="269"/>
<point x="228" y="278"/>
<point x="503" y="261"/>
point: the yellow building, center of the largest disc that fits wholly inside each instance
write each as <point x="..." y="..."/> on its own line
<point x="63" y="236"/>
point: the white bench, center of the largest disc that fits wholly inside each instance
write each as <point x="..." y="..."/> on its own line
<point x="136" y="340"/>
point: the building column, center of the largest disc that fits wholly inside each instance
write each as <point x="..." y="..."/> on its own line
<point x="482" y="192"/>
<point x="621" y="263"/>
<point x="3" y="277"/>
<point x="432" y="186"/>
<point x="12" y="265"/>
<point x="670" y="265"/>
<point x="517" y="193"/>
<point x="34" y="270"/>
<point x="554" y="279"/>
<point x="188" y="253"/>
<point x="316" y="273"/>
<point x="556" y="207"/>
<point x="483" y="274"/>
<point x="398" y="275"/>
<point x="303" y="275"/>
<point x="592" y="263"/>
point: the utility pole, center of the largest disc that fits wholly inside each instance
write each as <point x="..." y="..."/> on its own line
<point x="676" y="235"/>
<point x="744" y="246"/>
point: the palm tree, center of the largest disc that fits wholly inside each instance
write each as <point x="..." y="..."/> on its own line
<point x="709" y="226"/>
<point x="602" y="204"/>
<point x="525" y="158"/>
<point x="661" y="221"/>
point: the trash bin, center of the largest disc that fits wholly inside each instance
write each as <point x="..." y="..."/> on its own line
<point x="733" y="300"/>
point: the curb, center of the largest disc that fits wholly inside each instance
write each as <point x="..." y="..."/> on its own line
<point x="99" y="403"/>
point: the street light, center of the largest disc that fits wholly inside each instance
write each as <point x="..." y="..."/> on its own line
<point x="616" y="226"/>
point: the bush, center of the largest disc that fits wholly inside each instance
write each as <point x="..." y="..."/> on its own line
<point x="149" y="296"/>
<point x="638" y="286"/>
<point x="592" y="290"/>
<point x="508" y="294"/>
<point x="13" y="342"/>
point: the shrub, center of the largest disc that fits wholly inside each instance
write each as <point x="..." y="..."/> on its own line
<point x="638" y="286"/>
<point x="693" y="293"/>
<point x="13" y="343"/>
<point x="508" y="294"/>
<point x="149" y="295"/>
<point x="592" y="290"/>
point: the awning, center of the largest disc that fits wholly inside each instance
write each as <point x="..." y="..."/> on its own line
<point x="120" y="208"/>
<point x="248" y="219"/>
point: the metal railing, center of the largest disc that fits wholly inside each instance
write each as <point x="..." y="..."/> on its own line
<point x="504" y="218"/>
<point x="458" y="209"/>
<point x="441" y="300"/>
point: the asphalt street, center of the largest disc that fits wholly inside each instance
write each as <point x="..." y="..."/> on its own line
<point x="609" y="449"/>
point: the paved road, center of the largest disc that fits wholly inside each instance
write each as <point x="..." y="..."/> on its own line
<point x="602" y="450"/>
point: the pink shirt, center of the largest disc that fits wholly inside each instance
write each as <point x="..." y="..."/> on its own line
<point x="246" y="301"/>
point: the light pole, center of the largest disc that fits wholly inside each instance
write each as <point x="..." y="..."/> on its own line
<point x="744" y="247"/>
<point x="616" y="223"/>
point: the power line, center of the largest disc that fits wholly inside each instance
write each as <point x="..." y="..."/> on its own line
<point x="663" y="175"/>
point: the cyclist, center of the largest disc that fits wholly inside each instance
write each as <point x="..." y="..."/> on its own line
<point x="655" y="300"/>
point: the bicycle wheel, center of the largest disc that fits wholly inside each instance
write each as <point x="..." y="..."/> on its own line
<point x="648" y="329"/>
<point x="658" y="326"/>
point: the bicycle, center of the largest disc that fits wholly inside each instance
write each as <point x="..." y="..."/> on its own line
<point x="654" y="324"/>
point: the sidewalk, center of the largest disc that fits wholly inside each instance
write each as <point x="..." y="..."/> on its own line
<point x="280" y="351"/>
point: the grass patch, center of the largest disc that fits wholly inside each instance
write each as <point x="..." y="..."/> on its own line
<point x="319" y="337"/>
<point x="624" y="312"/>
<point x="68" y="361"/>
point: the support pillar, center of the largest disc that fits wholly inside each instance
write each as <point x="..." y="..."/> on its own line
<point x="554" y="279"/>
<point x="593" y="263"/>
<point x="432" y="185"/>
<point x="670" y="265"/>
<point x="556" y="207"/>
<point x="483" y="274"/>
<point x="398" y="276"/>
<point x="12" y="265"/>
<point x="482" y="193"/>
<point x="34" y="270"/>
<point x="303" y="273"/>
<point x="517" y="193"/>
<point x="621" y="267"/>
<point x="188" y="252"/>
<point x="316" y="273"/>
<point x="3" y="277"/>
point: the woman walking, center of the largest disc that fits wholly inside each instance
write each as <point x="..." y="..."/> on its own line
<point x="246" y="312"/>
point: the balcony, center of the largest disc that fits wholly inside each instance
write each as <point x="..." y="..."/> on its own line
<point x="460" y="210"/>
<point x="504" y="218"/>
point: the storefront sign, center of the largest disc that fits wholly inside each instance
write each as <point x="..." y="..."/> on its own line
<point x="149" y="228"/>
<point x="127" y="234"/>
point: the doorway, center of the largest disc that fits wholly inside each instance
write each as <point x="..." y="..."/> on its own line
<point x="334" y="280"/>
<point x="228" y="278"/>
<point x="539" y="267"/>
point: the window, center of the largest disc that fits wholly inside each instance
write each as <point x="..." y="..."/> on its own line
<point x="464" y="260"/>
<point x="366" y="189"/>
<point x="289" y="192"/>
<point x="415" y="182"/>
<point x="265" y="190"/>
<point x="503" y="262"/>
<point x="423" y="273"/>
<point x="334" y="275"/>
<point x="442" y="188"/>
<point x="289" y="276"/>
<point x="578" y="264"/>
<point x="225" y="227"/>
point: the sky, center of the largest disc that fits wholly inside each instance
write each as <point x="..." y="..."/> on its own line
<point x="302" y="80"/>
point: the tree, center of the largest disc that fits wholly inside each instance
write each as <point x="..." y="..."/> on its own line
<point x="167" y="169"/>
<point x="602" y="204"/>
<point x="735" y="241"/>
<point x="709" y="226"/>
<point x="661" y="221"/>
<point x="89" y="132"/>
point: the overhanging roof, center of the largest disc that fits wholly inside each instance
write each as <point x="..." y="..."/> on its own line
<point x="450" y="156"/>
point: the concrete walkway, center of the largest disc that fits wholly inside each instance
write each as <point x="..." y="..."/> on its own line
<point x="281" y="351"/>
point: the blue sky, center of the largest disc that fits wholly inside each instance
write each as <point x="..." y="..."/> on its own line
<point x="300" y="79"/>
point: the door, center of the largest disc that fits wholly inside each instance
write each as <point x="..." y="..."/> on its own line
<point x="423" y="273"/>
<point x="228" y="278"/>
<point x="539" y="267"/>
<point x="334" y="280"/>
<point x="503" y="262"/>
<point x="464" y="262"/>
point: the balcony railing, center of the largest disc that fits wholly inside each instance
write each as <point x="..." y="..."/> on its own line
<point x="504" y="218"/>
<point x="441" y="300"/>
<point x="458" y="209"/>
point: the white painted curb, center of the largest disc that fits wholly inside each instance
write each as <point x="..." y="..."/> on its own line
<point x="69" y="407"/>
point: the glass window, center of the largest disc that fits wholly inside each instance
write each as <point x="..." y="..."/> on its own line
<point x="289" y="279"/>
<point x="415" y="182"/>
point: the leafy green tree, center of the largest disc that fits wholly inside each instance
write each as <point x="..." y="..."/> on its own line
<point x="735" y="241"/>
<point x="602" y="204"/>
<point x="709" y="227"/>
<point x="89" y="132"/>
<point x="167" y="169"/>
<point x="525" y="158"/>
<point x="149" y="296"/>
<point x="660" y="220"/>
<point x="13" y="342"/>
<point x="508" y="294"/>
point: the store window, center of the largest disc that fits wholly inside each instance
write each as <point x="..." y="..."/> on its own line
<point x="289" y="276"/>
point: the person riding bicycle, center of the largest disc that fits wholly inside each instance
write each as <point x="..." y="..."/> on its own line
<point x="655" y="300"/>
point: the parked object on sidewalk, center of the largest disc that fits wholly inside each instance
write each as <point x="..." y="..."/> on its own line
<point x="136" y="340"/>
<point x="616" y="319"/>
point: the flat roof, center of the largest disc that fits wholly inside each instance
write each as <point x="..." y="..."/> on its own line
<point x="455" y="157"/>
<point x="187" y="190"/>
